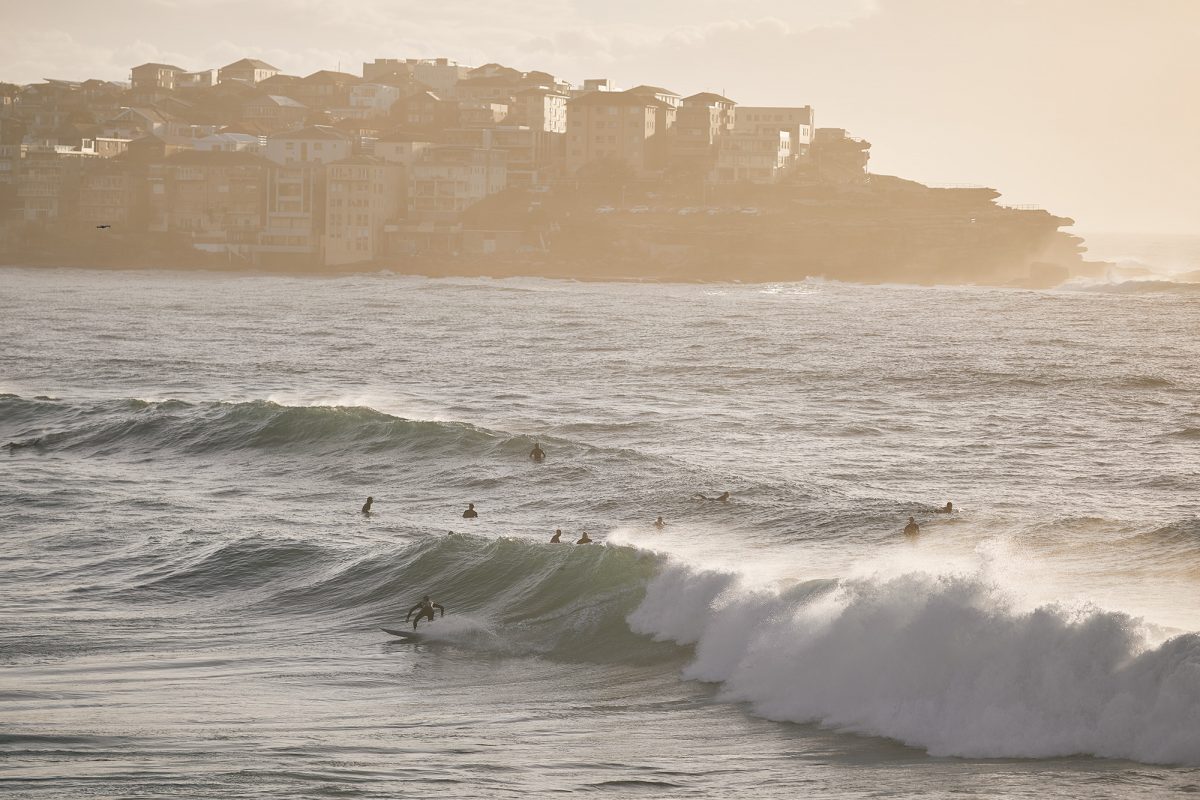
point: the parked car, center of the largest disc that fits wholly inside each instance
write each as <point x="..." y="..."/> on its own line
<point x="639" y="209"/>
<point x="605" y="210"/>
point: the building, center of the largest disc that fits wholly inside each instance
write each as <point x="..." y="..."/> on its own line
<point x="426" y="111"/>
<point x="597" y="85"/>
<point x="372" y="99"/>
<point x="246" y="70"/>
<point x="48" y="183"/>
<point x="106" y="194"/>
<point x="441" y="75"/>
<point x="540" y="109"/>
<point x="216" y="199"/>
<point x="703" y="119"/>
<point x="757" y="156"/>
<point x="201" y="79"/>
<point x="527" y="160"/>
<point x="272" y="112"/>
<point x="617" y="126"/>
<point x="672" y="99"/>
<point x="315" y="144"/>
<point x="482" y="115"/>
<point x="296" y="190"/>
<point x="232" y="143"/>
<point x="365" y="197"/>
<point x="404" y="147"/>
<point x="152" y="80"/>
<point x="447" y="180"/>
<point x="798" y="121"/>
<point x="324" y="89"/>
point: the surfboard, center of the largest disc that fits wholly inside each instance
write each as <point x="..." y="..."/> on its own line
<point x="412" y="636"/>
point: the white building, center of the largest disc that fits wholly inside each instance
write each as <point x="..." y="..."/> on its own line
<point x="316" y="144"/>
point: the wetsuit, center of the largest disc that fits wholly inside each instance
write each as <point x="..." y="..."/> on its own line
<point x="424" y="610"/>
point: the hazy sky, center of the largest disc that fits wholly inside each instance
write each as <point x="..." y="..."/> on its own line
<point x="1090" y="108"/>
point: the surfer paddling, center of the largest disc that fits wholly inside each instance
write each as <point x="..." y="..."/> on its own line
<point x="424" y="610"/>
<point x="946" y="509"/>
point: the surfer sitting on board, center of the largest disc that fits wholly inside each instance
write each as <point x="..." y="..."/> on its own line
<point x="470" y="513"/>
<point x="585" y="539"/>
<point x="660" y="523"/>
<point x="537" y="453"/>
<point x="946" y="509"/>
<point x="366" y="509"/>
<point x="557" y="537"/>
<point x="424" y="610"/>
<point x="912" y="529"/>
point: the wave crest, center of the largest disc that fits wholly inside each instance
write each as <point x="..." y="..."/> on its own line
<point x="945" y="664"/>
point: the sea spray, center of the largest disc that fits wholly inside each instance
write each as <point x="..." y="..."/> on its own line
<point x="942" y="663"/>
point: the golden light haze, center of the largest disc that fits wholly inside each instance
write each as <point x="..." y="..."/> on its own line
<point x="1086" y="108"/>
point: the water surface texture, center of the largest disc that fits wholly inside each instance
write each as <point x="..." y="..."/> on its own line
<point x="190" y="600"/>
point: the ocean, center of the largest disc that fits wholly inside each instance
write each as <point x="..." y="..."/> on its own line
<point x="191" y="600"/>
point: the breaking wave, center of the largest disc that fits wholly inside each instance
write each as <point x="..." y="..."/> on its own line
<point x="945" y="664"/>
<point x="949" y="664"/>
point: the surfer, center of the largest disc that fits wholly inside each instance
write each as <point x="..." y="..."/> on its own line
<point x="660" y="523"/>
<point x="722" y="498"/>
<point x="470" y="513"/>
<point x="424" y="610"/>
<point x="585" y="539"/>
<point x="912" y="529"/>
<point x="947" y="509"/>
<point x="537" y="453"/>
<point x="366" y="509"/>
<point x="557" y="537"/>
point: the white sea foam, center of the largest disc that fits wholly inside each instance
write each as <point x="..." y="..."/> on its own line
<point x="945" y="663"/>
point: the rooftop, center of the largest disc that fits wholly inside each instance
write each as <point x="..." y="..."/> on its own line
<point x="249" y="63"/>
<point x="312" y="132"/>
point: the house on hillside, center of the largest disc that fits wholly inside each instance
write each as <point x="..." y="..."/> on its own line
<point x="246" y="70"/>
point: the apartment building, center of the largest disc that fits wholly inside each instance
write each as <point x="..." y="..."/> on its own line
<point x="618" y="126"/>
<point x="798" y="121"/>
<point x="365" y="196"/>
<point x="150" y="81"/>
<point x="761" y="155"/>
<point x="703" y="119"/>
<point x="48" y="183"/>
<point x="106" y="194"/>
<point x="216" y="199"/>
<point x="448" y="179"/>
<point x="540" y="109"/>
